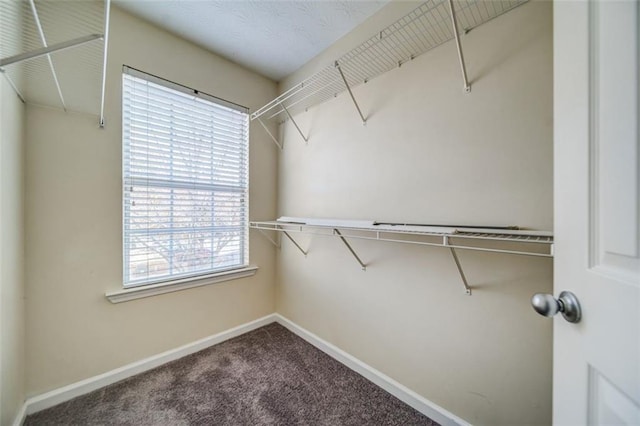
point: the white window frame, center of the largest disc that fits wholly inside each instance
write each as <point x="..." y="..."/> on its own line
<point x="201" y="277"/>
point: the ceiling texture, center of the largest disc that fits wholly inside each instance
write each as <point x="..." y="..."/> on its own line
<point x="271" y="37"/>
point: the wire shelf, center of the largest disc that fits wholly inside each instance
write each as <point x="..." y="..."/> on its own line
<point x="503" y="240"/>
<point x="520" y="242"/>
<point x="524" y="238"/>
<point x="421" y="30"/>
<point x="69" y="78"/>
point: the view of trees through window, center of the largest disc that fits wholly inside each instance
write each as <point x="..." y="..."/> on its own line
<point x="185" y="183"/>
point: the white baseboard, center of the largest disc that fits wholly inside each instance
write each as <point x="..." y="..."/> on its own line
<point x="57" y="396"/>
<point x="20" y="416"/>
<point x="404" y="394"/>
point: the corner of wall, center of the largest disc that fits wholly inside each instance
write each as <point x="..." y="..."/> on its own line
<point x="74" y="250"/>
<point x="12" y="306"/>
<point x="433" y="154"/>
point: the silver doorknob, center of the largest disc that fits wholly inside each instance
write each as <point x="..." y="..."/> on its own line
<point x="567" y="304"/>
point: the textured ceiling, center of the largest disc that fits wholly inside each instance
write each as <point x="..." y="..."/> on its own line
<point x="272" y="37"/>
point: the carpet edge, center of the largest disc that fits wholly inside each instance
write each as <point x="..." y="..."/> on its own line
<point x="82" y="387"/>
<point x="403" y="393"/>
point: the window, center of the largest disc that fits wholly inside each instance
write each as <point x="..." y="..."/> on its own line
<point x="185" y="171"/>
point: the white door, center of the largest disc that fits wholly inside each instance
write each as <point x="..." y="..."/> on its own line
<point x="596" y="378"/>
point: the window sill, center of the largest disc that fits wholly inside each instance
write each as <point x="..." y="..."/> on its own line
<point x="171" y="286"/>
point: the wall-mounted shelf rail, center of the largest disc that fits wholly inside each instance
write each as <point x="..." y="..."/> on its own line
<point x="431" y="24"/>
<point x="509" y="240"/>
<point x="54" y="53"/>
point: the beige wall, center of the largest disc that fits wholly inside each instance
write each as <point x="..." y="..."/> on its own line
<point x="428" y="153"/>
<point x="73" y="224"/>
<point x="431" y="154"/>
<point x="12" y="318"/>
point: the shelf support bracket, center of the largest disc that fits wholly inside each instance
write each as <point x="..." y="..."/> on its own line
<point x="13" y="86"/>
<point x="271" y="240"/>
<point x="467" y="289"/>
<point x="294" y="122"/>
<point x="337" y="65"/>
<point x="467" y="87"/>
<point x="364" y="267"/>
<point x="286" y="234"/>
<point x="107" y="12"/>
<point x="273" y="138"/>
<point x="43" y="39"/>
<point x="50" y="49"/>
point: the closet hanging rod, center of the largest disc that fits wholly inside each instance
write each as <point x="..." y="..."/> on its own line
<point x="50" y="49"/>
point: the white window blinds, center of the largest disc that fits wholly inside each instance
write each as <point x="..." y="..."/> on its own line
<point x="185" y="171"/>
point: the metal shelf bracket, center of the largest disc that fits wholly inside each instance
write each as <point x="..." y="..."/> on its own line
<point x="337" y="232"/>
<point x="467" y="289"/>
<point x="278" y="243"/>
<point x="43" y="39"/>
<point x="273" y="138"/>
<point x="13" y="86"/>
<point x="445" y="242"/>
<point x="50" y="49"/>
<point x="467" y="87"/>
<point x="107" y="12"/>
<point x="271" y="240"/>
<point x="306" y="140"/>
<point x="337" y="65"/>
<point x="286" y="234"/>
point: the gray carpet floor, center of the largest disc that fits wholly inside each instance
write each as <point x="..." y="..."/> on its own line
<point x="269" y="376"/>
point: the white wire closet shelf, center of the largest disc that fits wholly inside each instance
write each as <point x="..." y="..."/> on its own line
<point x="53" y="53"/>
<point x="433" y="23"/>
<point x="495" y="239"/>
